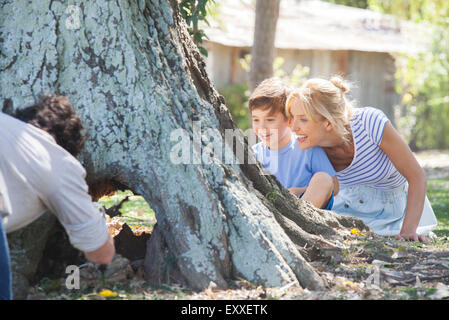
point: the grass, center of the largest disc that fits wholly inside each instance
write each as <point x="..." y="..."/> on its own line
<point x="438" y="194"/>
<point x="135" y="212"/>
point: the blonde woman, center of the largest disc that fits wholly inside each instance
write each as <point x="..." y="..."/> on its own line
<point x="380" y="180"/>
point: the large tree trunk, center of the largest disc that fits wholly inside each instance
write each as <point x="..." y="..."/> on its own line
<point x="263" y="50"/>
<point x="139" y="84"/>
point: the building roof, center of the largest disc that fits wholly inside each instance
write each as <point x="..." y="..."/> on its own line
<point x="317" y="25"/>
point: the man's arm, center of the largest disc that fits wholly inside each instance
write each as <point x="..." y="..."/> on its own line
<point x="104" y="254"/>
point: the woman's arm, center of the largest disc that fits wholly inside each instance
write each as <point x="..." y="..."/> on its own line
<point x="405" y="162"/>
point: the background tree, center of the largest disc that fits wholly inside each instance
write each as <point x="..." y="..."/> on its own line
<point x="139" y="84"/>
<point x="263" y="49"/>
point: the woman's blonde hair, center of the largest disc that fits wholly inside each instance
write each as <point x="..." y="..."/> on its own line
<point x="325" y="98"/>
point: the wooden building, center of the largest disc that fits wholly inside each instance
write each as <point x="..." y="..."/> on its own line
<point x="358" y="44"/>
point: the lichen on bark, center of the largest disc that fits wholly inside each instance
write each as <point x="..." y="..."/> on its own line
<point x="134" y="76"/>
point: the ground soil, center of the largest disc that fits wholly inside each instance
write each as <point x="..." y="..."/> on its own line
<point x="361" y="266"/>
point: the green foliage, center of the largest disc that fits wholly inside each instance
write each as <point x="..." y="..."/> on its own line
<point x="438" y="193"/>
<point x="363" y="4"/>
<point x="423" y="78"/>
<point x="433" y="11"/>
<point x="237" y="95"/>
<point x="297" y="76"/>
<point x="194" y="11"/>
<point x="135" y="212"/>
<point x="47" y="285"/>
<point x="425" y="89"/>
<point x="271" y="196"/>
<point x="415" y="10"/>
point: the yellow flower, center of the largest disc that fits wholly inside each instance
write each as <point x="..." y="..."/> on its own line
<point x="357" y="232"/>
<point x="107" y="293"/>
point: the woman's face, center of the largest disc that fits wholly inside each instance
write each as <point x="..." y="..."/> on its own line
<point x="310" y="133"/>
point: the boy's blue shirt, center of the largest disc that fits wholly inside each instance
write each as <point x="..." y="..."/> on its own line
<point x="291" y="165"/>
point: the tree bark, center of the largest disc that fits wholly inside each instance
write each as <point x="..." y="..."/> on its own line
<point x="139" y="84"/>
<point x="263" y="50"/>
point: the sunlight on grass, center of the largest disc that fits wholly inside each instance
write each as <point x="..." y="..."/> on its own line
<point x="135" y="212"/>
<point x="438" y="194"/>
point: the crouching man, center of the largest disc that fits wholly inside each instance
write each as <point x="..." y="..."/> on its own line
<point x="39" y="173"/>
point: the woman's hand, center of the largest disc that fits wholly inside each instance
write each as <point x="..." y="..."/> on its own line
<point x="412" y="236"/>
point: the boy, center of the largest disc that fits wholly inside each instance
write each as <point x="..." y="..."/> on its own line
<point x="308" y="173"/>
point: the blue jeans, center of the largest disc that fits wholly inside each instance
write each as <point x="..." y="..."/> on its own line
<point x="5" y="266"/>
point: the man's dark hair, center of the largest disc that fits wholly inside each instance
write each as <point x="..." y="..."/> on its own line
<point x="54" y="114"/>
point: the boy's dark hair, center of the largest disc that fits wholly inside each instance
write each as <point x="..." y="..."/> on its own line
<point x="271" y="95"/>
<point x="54" y="114"/>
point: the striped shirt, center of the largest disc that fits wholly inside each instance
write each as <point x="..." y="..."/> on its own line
<point x="370" y="166"/>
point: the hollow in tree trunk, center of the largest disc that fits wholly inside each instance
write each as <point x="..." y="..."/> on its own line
<point x="139" y="84"/>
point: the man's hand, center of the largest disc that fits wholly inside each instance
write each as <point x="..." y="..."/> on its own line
<point x="104" y="254"/>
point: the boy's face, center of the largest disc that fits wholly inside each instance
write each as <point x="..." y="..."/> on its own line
<point x="272" y="129"/>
